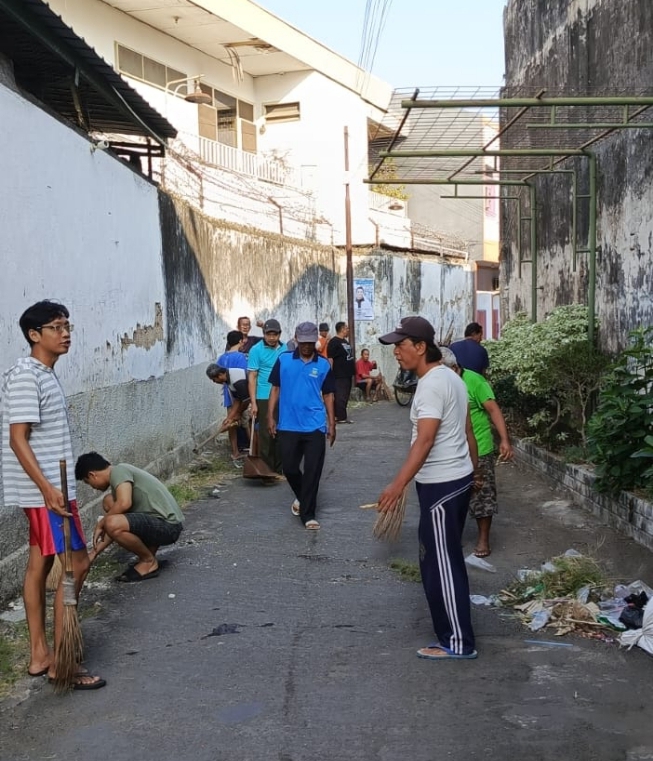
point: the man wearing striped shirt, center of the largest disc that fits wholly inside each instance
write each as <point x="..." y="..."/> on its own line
<point x="35" y="437"/>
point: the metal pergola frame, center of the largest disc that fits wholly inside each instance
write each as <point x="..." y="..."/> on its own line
<point x="561" y="116"/>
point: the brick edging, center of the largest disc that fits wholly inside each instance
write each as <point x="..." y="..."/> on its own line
<point x="627" y="513"/>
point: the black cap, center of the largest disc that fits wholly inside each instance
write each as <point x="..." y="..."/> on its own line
<point x="324" y="327"/>
<point x="272" y="326"/>
<point x="411" y="327"/>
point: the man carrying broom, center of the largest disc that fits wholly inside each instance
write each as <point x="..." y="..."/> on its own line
<point x="35" y="438"/>
<point x="442" y="459"/>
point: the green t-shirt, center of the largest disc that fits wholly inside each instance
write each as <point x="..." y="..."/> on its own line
<point x="479" y="391"/>
<point x="149" y="495"/>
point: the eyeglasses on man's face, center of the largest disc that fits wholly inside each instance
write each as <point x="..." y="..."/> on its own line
<point x="58" y="328"/>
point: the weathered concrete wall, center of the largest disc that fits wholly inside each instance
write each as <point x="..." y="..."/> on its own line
<point x="153" y="286"/>
<point x="442" y="292"/>
<point x="627" y="513"/>
<point x="587" y="47"/>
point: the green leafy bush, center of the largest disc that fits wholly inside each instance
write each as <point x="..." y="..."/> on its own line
<point x="621" y="430"/>
<point x="546" y="374"/>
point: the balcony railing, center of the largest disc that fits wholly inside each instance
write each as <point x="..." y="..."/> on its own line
<point x="250" y="164"/>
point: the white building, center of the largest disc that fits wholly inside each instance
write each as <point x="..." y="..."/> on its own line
<point x="269" y="141"/>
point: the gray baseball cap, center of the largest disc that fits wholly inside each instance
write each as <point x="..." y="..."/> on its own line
<point x="306" y="332"/>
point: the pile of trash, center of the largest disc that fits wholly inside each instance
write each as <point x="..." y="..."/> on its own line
<point x="570" y="593"/>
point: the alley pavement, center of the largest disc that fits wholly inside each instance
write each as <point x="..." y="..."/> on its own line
<point x="261" y="641"/>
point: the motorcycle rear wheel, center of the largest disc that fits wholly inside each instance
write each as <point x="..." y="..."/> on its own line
<point x="403" y="397"/>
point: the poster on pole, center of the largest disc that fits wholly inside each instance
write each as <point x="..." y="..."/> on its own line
<point x="363" y="298"/>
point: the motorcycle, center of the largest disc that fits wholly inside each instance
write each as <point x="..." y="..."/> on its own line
<point x="404" y="386"/>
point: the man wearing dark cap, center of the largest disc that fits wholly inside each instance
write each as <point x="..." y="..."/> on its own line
<point x="260" y="361"/>
<point x="442" y="459"/>
<point x="302" y="389"/>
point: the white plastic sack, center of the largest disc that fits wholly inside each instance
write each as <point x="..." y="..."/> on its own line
<point x="642" y="637"/>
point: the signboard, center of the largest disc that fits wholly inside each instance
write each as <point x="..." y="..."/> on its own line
<point x="364" y="299"/>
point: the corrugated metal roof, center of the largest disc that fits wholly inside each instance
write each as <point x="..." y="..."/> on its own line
<point x="49" y="58"/>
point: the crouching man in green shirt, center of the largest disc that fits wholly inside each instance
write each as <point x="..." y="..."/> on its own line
<point x="141" y="514"/>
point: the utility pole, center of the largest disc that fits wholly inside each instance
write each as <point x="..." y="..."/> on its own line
<point x="349" y="253"/>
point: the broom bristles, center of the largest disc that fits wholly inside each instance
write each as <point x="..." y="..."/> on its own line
<point x="387" y="527"/>
<point x="54" y="577"/>
<point x="70" y="651"/>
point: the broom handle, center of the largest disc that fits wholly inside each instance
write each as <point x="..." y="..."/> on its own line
<point x="251" y="436"/>
<point x="68" y="566"/>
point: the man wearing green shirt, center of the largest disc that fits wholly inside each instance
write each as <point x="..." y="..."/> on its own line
<point x="141" y="514"/>
<point x="484" y="412"/>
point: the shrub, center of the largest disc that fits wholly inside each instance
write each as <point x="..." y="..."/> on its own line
<point x="621" y="430"/>
<point x="547" y="373"/>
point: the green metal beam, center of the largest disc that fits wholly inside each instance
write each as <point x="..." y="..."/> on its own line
<point x="443" y="181"/>
<point x="462" y="152"/>
<point x="595" y="125"/>
<point x="533" y="200"/>
<point x="591" y="244"/>
<point x="528" y="102"/>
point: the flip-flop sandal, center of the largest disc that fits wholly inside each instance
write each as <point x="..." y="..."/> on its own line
<point x="312" y="525"/>
<point x="294" y="508"/>
<point x="132" y="575"/>
<point x="96" y="685"/>
<point x="444" y="654"/>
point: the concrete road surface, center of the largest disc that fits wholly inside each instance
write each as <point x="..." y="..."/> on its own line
<point x="261" y="641"/>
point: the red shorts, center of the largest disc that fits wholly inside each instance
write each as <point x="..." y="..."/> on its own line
<point x="46" y="530"/>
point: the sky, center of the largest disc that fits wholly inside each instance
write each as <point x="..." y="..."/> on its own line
<point x="423" y="43"/>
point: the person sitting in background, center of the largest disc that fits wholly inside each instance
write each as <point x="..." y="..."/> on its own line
<point x="141" y="515"/>
<point x="469" y="352"/>
<point x="483" y="411"/>
<point x="234" y="357"/>
<point x="368" y="378"/>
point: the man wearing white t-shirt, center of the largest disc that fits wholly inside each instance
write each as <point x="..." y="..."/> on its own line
<point x="442" y="459"/>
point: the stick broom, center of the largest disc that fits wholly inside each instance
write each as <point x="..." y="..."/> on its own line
<point x="70" y="649"/>
<point x="388" y="525"/>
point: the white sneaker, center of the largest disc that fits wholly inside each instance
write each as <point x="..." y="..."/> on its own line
<point x="294" y="508"/>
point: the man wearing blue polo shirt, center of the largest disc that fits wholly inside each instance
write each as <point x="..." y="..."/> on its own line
<point x="303" y="388"/>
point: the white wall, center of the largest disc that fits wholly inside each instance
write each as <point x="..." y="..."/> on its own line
<point x="315" y="144"/>
<point x="75" y="216"/>
<point x="318" y="140"/>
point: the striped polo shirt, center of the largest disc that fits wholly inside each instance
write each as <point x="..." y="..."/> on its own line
<point x="31" y="393"/>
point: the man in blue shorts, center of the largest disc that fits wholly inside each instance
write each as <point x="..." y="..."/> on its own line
<point x="141" y="515"/>
<point x="35" y="438"/>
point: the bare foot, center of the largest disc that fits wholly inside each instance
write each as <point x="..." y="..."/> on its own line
<point x="482" y="552"/>
<point x="146" y="566"/>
